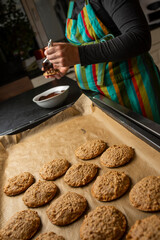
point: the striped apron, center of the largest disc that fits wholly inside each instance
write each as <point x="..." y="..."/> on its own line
<point x="134" y="83"/>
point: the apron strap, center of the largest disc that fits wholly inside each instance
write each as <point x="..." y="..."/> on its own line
<point x="70" y="9"/>
<point x="86" y="2"/>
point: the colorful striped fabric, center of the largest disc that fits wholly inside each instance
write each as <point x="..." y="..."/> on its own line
<point x="134" y="83"/>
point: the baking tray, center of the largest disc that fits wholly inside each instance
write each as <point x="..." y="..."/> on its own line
<point x="58" y="137"/>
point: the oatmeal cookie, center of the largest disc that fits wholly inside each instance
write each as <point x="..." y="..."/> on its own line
<point x="80" y="174"/>
<point x="18" y="184"/>
<point x="117" y="155"/>
<point x="49" y="236"/>
<point x="51" y="72"/>
<point x="91" y="149"/>
<point x="110" y="186"/>
<point x="104" y="222"/>
<point x="145" y="195"/>
<point x="39" y="193"/>
<point x="54" y="169"/>
<point x="147" y="229"/>
<point x="22" y="225"/>
<point x="66" y="209"/>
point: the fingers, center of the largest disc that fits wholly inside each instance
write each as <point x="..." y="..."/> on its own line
<point x="59" y="46"/>
<point x="55" y="66"/>
<point x="51" y="76"/>
<point x="63" y="54"/>
<point x="55" y="76"/>
<point x="53" y="56"/>
<point x="57" y="61"/>
<point x="55" y="47"/>
<point x="56" y="58"/>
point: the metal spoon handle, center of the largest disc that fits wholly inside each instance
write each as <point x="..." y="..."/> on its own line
<point x="50" y="42"/>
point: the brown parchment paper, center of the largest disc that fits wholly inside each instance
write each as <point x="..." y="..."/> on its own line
<point x="58" y="137"/>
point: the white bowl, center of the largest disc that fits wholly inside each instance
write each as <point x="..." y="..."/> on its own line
<point x="52" y="101"/>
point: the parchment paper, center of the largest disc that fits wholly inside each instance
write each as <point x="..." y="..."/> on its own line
<point x="58" y="137"/>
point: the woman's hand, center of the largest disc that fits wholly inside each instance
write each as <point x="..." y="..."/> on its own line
<point x="61" y="73"/>
<point x="63" y="55"/>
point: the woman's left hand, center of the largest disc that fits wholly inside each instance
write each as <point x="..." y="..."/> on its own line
<point x="62" y="72"/>
<point x="63" y="54"/>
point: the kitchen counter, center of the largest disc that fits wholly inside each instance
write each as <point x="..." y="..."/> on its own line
<point x="21" y="113"/>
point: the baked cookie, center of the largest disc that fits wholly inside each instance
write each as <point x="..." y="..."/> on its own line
<point x="80" y="174"/>
<point x="147" y="229"/>
<point x="110" y="186"/>
<point x="54" y="169"/>
<point x="145" y="195"/>
<point x="117" y="155"/>
<point x="104" y="222"/>
<point x="18" y="184"/>
<point x="49" y="236"/>
<point x="91" y="149"/>
<point x="22" y="225"/>
<point x="51" y="72"/>
<point x="39" y="193"/>
<point x="66" y="209"/>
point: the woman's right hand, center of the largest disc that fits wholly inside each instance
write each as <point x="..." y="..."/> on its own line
<point x="63" y="54"/>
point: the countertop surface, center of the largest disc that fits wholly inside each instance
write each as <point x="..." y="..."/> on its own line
<point x="21" y="113"/>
